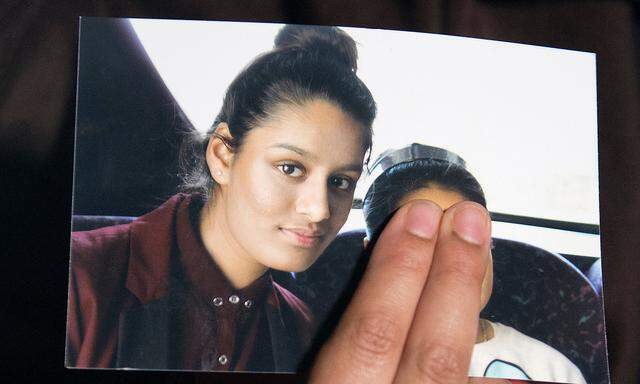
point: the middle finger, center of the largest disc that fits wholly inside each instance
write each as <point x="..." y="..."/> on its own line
<point x="439" y="344"/>
<point x="368" y="342"/>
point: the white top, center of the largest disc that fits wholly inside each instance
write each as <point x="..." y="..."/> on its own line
<point x="514" y="355"/>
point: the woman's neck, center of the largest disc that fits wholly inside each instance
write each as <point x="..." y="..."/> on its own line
<point x="235" y="263"/>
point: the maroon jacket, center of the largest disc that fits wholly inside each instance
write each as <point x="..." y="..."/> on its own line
<point x="124" y="291"/>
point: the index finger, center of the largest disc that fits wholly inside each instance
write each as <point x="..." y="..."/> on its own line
<point x="367" y="344"/>
<point x="441" y="339"/>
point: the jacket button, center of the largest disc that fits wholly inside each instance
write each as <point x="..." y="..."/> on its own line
<point x="223" y="359"/>
<point x="217" y="301"/>
<point x="248" y="304"/>
<point x="234" y="299"/>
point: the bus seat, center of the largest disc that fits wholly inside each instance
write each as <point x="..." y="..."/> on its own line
<point x="595" y="276"/>
<point x="88" y="223"/>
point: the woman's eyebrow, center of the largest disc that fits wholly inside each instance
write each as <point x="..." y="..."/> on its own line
<point x="305" y="153"/>
<point x="293" y="148"/>
<point x="351" y="167"/>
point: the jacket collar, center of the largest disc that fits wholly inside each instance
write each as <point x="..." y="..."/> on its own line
<point x="150" y="250"/>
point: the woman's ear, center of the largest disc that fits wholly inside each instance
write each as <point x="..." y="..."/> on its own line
<point x="219" y="154"/>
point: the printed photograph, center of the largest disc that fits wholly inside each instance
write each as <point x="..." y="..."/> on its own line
<point x="231" y="180"/>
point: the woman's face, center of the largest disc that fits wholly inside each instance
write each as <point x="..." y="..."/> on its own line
<point x="445" y="199"/>
<point x="290" y="186"/>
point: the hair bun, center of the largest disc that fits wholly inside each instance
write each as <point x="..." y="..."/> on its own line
<point x="326" y="41"/>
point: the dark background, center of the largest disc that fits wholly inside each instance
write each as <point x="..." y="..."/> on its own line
<point x="38" y="47"/>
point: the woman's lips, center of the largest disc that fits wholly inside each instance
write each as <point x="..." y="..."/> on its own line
<point x="302" y="238"/>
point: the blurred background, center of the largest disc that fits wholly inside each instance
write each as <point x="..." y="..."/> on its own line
<point x="38" y="56"/>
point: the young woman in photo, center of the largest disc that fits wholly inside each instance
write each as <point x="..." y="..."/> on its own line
<point x="420" y="172"/>
<point x="187" y="286"/>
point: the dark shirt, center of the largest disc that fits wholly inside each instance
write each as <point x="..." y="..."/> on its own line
<point x="148" y="295"/>
<point x="219" y="323"/>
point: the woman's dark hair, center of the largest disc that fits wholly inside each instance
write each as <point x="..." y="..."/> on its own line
<point x="307" y="63"/>
<point x="395" y="183"/>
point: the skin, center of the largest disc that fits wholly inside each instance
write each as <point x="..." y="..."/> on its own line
<point x="445" y="198"/>
<point x="420" y="325"/>
<point x="282" y="197"/>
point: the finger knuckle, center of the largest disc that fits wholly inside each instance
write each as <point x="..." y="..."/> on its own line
<point x="466" y="269"/>
<point x="409" y="260"/>
<point x="375" y="336"/>
<point x="440" y="363"/>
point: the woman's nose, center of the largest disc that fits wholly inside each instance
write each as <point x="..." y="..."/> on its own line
<point x="313" y="202"/>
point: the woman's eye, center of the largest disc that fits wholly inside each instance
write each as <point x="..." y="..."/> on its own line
<point x="290" y="170"/>
<point x="341" y="183"/>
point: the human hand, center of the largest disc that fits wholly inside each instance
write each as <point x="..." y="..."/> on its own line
<point x="414" y="316"/>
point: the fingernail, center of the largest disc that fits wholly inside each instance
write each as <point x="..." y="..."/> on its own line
<point x="471" y="224"/>
<point x="423" y="219"/>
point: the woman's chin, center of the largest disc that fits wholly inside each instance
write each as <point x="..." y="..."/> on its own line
<point x="299" y="264"/>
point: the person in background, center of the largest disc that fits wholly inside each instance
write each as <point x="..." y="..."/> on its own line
<point x="420" y="172"/>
